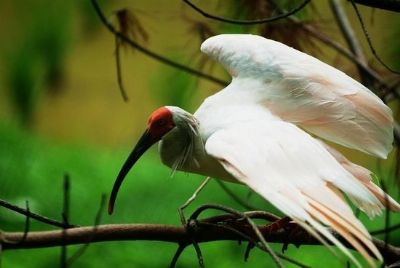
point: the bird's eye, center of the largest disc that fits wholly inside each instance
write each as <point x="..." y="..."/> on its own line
<point x="161" y="122"/>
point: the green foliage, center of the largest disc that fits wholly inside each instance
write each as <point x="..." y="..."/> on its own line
<point x="173" y="87"/>
<point x="394" y="48"/>
<point x="39" y="59"/>
<point x="89" y="16"/>
<point x="51" y="35"/>
<point x="21" y="79"/>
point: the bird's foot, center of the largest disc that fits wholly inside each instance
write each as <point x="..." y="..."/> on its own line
<point x="288" y="226"/>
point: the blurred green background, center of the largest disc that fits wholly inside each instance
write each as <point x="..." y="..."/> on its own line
<point x="61" y="112"/>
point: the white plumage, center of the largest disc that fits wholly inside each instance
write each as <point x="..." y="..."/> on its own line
<point x="305" y="91"/>
<point x="254" y="132"/>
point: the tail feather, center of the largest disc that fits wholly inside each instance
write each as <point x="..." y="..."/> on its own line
<point x="351" y="230"/>
<point x="339" y="228"/>
<point x="364" y="176"/>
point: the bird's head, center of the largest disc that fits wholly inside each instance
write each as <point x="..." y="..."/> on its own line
<point x="160" y="122"/>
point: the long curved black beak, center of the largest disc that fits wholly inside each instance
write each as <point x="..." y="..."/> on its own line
<point x="144" y="143"/>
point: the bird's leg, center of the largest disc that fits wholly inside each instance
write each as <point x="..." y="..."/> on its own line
<point x="190" y="200"/>
<point x="184" y="223"/>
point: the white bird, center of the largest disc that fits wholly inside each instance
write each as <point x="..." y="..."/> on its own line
<point x="257" y="131"/>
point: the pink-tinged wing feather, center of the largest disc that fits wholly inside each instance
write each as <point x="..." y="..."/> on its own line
<point x="364" y="176"/>
<point x="305" y="91"/>
<point x="297" y="174"/>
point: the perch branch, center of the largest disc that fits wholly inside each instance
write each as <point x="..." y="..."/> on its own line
<point x="164" y="233"/>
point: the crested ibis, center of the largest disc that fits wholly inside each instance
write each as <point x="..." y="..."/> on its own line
<point x="265" y="130"/>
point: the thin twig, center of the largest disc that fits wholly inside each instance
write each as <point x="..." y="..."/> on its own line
<point x="177" y="254"/>
<point x="183" y="221"/>
<point x="367" y="37"/>
<point x="267" y="248"/>
<point x="35" y="216"/>
<point x="234" y="196"/>
<point x="257" y="214"/>
<point x="350" y="37"/>
<point x="152" y="54"/>
<point x="65" y="216"/>
<point x="391" y="5"/>
<point x="97" y="221"/>
<point x="252" y="241"/>
<point x="265" y="244"/>
<point x="119" y="70"/>
<point x="198" y="254"/>
<point x="349" y="55"/>
<point x="191" y="199"/>
<point x="247" y="22"/>
<point x="387" y="219"/>
<point x="27" y="224"/>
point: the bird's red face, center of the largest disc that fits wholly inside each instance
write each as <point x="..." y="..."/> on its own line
<point x="160" y="123"/>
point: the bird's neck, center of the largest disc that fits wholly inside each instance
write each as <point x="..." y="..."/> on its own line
<point x="178" y="149"/>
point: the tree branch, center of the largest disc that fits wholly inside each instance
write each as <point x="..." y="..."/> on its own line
<point x="391" y="5"/>
<point x="247" y="22"/>
<point x="357" y="56"/>
<point x="350" y="38"/>
<point x="164" y="233"/>
<point x="152" y="54"/>
<point x="35" y="216"/>
<point x="369" y="42"/>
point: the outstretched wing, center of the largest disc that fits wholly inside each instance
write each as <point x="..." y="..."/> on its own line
<point x="295" y="173"/>
<point x="303" y="90"/>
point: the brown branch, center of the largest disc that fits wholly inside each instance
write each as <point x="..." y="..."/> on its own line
<point x="350" y="37"/>
<point x="369" y="42"/>
<point x="65" y="216"/>
<point x="390" y="89"/>
<point x="357" y="56"/>
<point x="391" y="5"/>
<point x="35" y="216"/>
<point x="164" y="233"/>
<point x="236" y="198"/>
<point x="247" y="22"/>
<point x="119" y="70"/>
<point x="152" y="54"/>
<point x="97" y="220"/>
